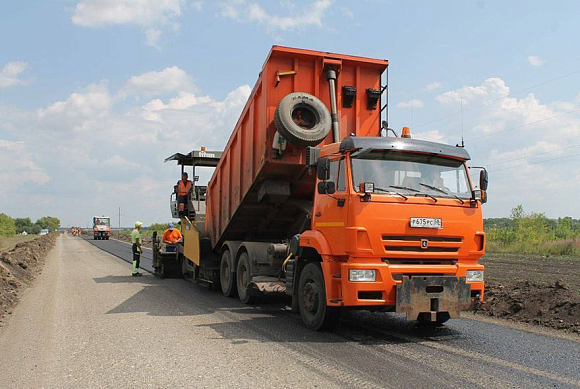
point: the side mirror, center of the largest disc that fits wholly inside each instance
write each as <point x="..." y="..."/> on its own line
<point x="323" y="169"/>
<point x="483" y="180"/>
<point x="481" y="195"/>
<point x="326" y="187"/>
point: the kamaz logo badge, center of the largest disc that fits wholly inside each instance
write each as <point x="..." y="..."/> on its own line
<point x="424" y="243"/>
<point x="206" y="155"/>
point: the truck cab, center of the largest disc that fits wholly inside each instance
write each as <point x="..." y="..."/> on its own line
<point x="101" y="227"/>
<point x="397" y="224"/>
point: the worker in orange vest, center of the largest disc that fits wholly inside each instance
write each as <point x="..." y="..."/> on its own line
<point x="171" y="237"/>
<point x="182" y="190"/>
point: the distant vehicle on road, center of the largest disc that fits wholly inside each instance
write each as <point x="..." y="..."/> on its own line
<point x="101" y="227"/>
<point x="44" y="231"/>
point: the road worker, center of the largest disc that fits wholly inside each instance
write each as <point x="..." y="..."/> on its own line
<point x="137" y="248"/>
<point x="182" y="190"/>
<point x="171" y="237"/>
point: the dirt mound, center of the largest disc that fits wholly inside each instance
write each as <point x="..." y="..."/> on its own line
<point x="18" y="267"/>
<point x="555" y="305"/>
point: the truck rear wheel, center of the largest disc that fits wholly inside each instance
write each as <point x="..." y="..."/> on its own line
<point x="302" y="119"/>
<point x="315" y="314"/>
<point x="243" y="278"/>
<point x="227" y="275"/>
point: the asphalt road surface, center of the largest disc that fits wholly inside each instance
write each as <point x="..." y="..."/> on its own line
<point x="123" y="251"/>
<point x="87" y="323"/>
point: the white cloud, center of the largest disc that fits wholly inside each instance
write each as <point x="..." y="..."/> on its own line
<point x="248" y="11"/>
<point x="17" y="167"/>
<point x="170" y="79"/>
<point x="432" y="86"/>
<point x="10" y="74"/>
<point x="197" y="5"/>
<point x="511" y="135"/>
<point x="93" y="152"/>
<point x="151" y="15"/>
<point x="534" y="60"/>
<point x="152" y="36"/>
<point x="410" y="104"/>
<point x="491" y="88"/>
<point x="433" y="136"/>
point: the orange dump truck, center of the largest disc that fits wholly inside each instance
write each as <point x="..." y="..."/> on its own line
<point x="313" y="199"/>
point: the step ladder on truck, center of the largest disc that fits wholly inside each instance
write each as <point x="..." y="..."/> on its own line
<point x="312" y="198"/>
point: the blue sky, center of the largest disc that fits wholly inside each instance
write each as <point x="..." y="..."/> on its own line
<point x="95" y="93"/>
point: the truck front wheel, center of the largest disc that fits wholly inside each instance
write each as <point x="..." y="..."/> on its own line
<point x="316" y="315"/>
<point x="227" y="275"/>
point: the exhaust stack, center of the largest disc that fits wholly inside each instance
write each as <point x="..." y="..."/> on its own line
<point x="331" y="77"/>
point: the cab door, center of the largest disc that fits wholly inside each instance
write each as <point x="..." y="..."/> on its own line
<point x="330" y="210"/>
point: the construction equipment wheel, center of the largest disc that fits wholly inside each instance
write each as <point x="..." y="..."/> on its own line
<point x="243" y="278"/>
<point x="315" y="314"/>
<point x="302" y="119"/>
<point x="227" y="275"/>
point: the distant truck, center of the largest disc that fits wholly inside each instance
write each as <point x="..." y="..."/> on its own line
<point x="312" y="199"/>
<point x="101" y="227"/>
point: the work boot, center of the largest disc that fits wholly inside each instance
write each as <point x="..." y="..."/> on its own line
<point x="137" y="274"/>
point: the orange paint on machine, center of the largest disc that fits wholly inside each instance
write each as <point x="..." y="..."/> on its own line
<point x="314" y="196"/>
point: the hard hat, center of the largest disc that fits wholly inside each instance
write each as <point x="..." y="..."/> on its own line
<point x="138" y="224"/>
<point x="171" y="226"/>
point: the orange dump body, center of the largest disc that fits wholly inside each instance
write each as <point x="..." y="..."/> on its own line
<point x="234" y="209"/>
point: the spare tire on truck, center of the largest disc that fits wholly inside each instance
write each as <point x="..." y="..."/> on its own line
<point x="302" y="119"/>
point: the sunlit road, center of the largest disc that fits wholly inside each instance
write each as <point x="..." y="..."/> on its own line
<point x="87" y="323"/>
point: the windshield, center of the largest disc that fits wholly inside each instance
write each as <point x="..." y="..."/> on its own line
<point x="411" y="174"/>
<point x="102" y="222"/>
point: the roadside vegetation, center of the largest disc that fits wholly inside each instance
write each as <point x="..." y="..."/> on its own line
<point x="16" y="226"/>
<point x="533" y="233"/>
<point x="11" y="230"/>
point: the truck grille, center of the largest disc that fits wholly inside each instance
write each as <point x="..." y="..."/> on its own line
<point x="421" y="244"/>
<point x="420" y="261"/>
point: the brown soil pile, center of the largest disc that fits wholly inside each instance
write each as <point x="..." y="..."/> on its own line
<point x="555" y="305"/>
<point x="18" y="267"/>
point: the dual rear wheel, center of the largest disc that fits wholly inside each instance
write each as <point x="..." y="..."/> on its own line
<point x="311" y="293"/>
<point x="235" y="278"/>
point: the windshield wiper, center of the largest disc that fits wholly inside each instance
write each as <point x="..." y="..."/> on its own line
<point x="404" y="188"/>
<point x="442" y="191"/>
<point x="390" y="191"/>
<point x="426" y="195"/>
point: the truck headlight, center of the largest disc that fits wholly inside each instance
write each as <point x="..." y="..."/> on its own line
<point x="474" y="276"/>
<point x="356" y="275"/>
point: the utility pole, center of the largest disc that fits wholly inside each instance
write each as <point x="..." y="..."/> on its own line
<point x="119" y="218"/>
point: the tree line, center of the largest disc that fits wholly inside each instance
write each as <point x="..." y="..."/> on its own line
<point x="12" y="226"/>
<point x="533" y="233"/>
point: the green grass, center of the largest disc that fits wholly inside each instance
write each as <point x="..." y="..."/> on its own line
<point x="566" y="247"/>
<point x="6" y="243"/>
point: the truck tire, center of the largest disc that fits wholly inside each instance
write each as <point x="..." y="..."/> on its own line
<point x="243" y="278"/>
<point x="315" y="314"/>
<point x="302" y="119"/>
<point x="227" y="275"/>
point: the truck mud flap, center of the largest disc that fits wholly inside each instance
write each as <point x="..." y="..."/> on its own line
<point x="432" y="294"/>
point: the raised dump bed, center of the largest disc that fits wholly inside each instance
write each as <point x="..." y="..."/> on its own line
<point x="262" y="188"/>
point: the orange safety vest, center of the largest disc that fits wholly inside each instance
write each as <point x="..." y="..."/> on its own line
<point x="183" y="189"/>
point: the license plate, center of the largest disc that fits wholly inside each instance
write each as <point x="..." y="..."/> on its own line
<point x="426" y="222"/>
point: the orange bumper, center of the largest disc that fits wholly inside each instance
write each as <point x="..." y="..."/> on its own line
<point x="382" y="292"/>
